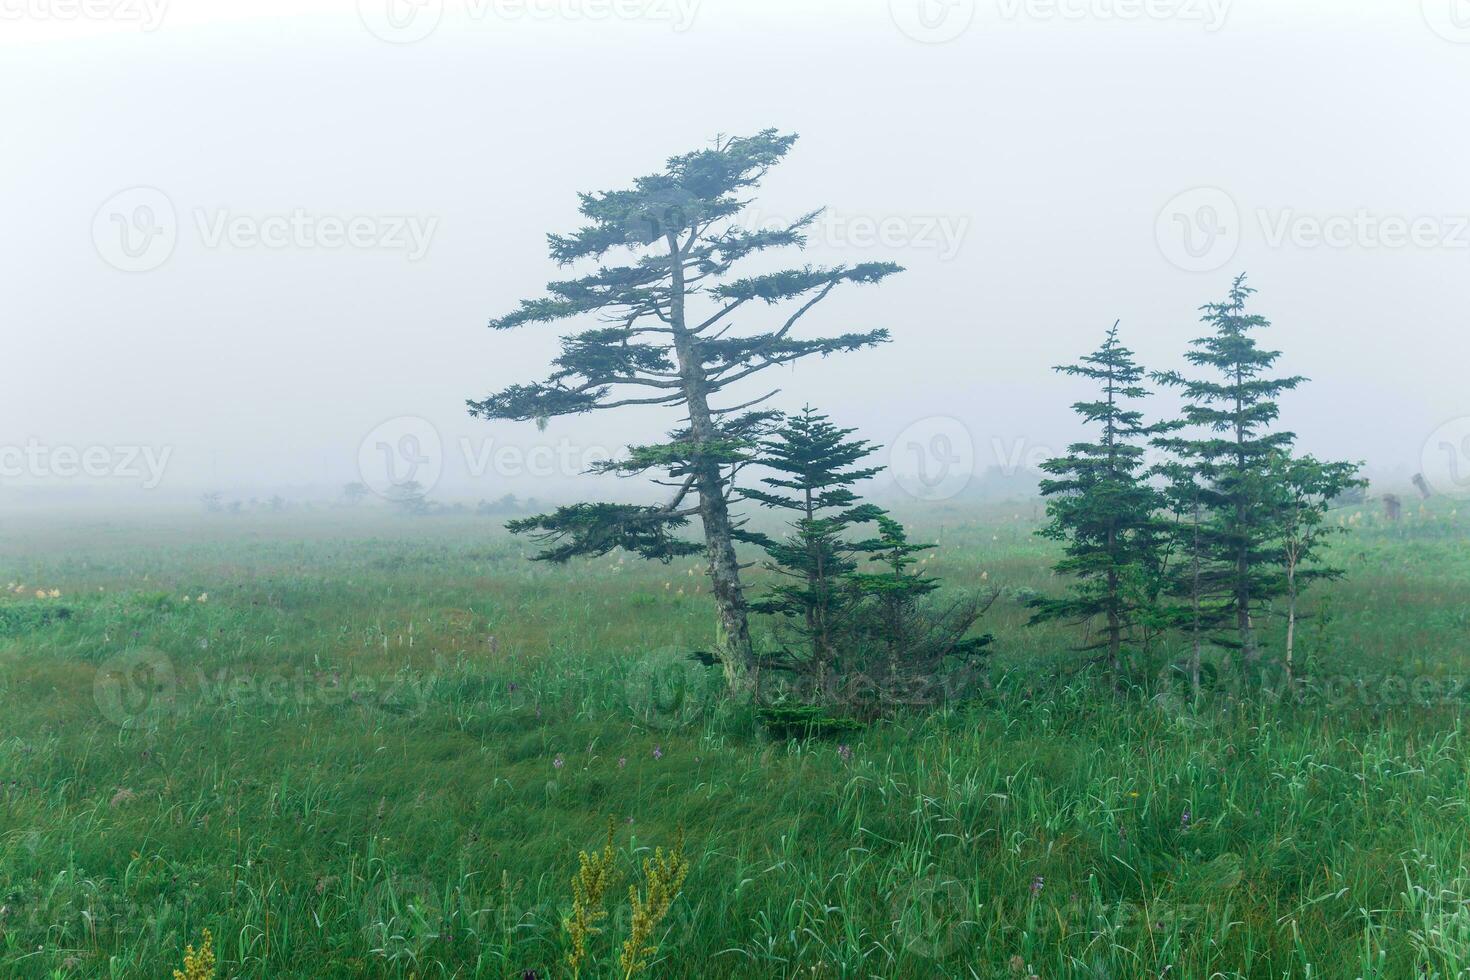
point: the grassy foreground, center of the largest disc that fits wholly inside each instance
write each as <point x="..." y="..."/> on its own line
<point x="359" y="746"/>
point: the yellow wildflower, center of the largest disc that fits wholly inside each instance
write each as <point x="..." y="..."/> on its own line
<point x="198" y="965"/>
<point x="595" y="877"/>
<point x="665" y="874"/>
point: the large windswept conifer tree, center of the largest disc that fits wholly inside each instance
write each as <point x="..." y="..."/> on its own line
<point x="678" y="330"/>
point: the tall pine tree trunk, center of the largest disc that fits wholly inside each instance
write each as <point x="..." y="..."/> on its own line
<point x="816" y="616"/>
<point x="736" y="654"/>
<point x="1194" y="597"/>
<point x="1242" y="555"/>
<point x="1115" y="626"/>
<point x="1115" y="638"/>
<point x="1290" y="620"/>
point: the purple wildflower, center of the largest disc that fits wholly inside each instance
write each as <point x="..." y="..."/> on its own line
<point x="623" y="762"/>
<point x="1184" y="819"/>
<point x="1037" y="884"/>
<point x="844" y="752"/>
<point x="558" y="762"/>
<point x="658" y="751"/>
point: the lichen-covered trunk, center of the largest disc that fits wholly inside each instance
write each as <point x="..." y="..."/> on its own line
<point x="724" y="571"/>
<point x="736" y="653"/>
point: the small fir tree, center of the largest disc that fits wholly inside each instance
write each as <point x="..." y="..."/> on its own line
<point x="1233" y="408"/>
<point x="896" y="589"/>
<point x="1102" y="506"/>
<point x="917" y="642"/>
<point x="816" y="466"/>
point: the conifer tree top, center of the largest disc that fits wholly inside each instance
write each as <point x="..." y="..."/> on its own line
<point x="812" y="456"/>
<point x="677" y="241"/>
<point x="1240" y="397"/>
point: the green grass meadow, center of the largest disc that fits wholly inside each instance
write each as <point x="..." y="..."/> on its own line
<point x="375" y="746"/>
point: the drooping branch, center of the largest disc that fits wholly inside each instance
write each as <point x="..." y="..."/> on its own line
<point x="593" y="530"/>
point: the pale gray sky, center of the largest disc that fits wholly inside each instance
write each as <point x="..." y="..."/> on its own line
<point x="320" y="204"/>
